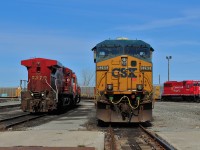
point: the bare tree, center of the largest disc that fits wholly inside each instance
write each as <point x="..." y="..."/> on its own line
<point x="88" y="77"/>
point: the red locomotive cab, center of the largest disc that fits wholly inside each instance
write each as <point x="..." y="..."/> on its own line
<point x="36" y="74"/>
<point x="45" y="81"/>
<point x="43" y="74"/>
<point x="167" y="87"/>
<point x="197" y="87"/>
<point x="188" y="87"/>
<point x="191" y="88"/>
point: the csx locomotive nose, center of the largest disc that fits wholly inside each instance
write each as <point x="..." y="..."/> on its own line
<point x="123" y="80"/>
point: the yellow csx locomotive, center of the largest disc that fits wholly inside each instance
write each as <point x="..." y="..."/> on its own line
<point x="123" y="81"/>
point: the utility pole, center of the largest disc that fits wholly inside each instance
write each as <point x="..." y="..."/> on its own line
<point x="168" y="58"/>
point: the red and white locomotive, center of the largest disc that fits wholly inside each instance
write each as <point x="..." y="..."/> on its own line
<point x="50" y="86"/>
<point x="188" y="90"/>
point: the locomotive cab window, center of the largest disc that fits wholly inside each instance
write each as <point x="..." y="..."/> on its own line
<point x="167" y="85"/>
<point x="68" y="74"/>
<point x="141" y="52"/>
<point x="104" y="53"/>
<point x="53" y="70"/>
<point x="38" y="69"/>
<point x="195" y="84"/>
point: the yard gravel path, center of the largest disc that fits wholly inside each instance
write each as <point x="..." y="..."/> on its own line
<point x="178" y="123"/>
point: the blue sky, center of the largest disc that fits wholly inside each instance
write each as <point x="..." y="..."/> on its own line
<point x="67" y="30"/>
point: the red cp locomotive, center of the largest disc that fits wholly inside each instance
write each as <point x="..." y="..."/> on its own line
<point x="188" y="90"/>
<point x="50" y="86"/>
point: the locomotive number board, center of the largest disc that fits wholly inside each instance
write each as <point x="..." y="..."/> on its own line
<point x="102" y="68"/>
<point x="145" y="68"/>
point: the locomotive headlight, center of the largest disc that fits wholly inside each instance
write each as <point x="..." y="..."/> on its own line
<point x="42" y="94"/>
<point x="32" y="94"/>
<point x="109" y="87"/>
<point x="139" y="87"/>
<point x="124" y="61"/>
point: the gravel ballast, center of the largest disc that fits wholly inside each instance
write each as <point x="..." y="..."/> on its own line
<point x="178" y="123"/>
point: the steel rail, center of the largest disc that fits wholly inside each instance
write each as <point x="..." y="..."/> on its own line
<point x="162" y="142"/>
<point x="10" y="122"/>
<point x="14" y="117"/>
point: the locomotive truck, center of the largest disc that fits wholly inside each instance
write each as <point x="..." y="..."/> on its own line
<point x="50" y="86"/>
<point x="123" y="81"/>
<point x="188" y="90"/>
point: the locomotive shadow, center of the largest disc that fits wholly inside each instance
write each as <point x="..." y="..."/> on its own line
<point x="63" y="110"/>
<point x="124" y="125"/>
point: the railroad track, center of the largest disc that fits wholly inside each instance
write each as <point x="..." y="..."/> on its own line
<point x="16" y="120"/>
<point x="10" y="106"/>
<point x="135" y="138"/>
<point x="155" y="141"/>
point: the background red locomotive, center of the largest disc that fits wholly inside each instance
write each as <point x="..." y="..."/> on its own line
<point x="50" y="86"/>
<point x="188" y="90"/>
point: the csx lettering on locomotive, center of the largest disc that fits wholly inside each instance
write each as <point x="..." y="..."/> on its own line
<point x="124" y="72"/>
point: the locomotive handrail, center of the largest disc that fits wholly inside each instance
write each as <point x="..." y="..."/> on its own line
<point x="149" y="83"/>
<point x="50" y="85"/>
<point x="56" y="90"/>
<point x="103" y="75"/>
<point x="28" y="82"/>
<point x="151" y="92"/>
<point x="52" y="89"/>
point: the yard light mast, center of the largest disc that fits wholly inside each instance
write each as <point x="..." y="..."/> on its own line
<point x="168" y="58"/>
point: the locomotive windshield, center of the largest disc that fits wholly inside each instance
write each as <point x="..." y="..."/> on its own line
<point x="104" y="53"/>
<point x="141" y="52"/>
